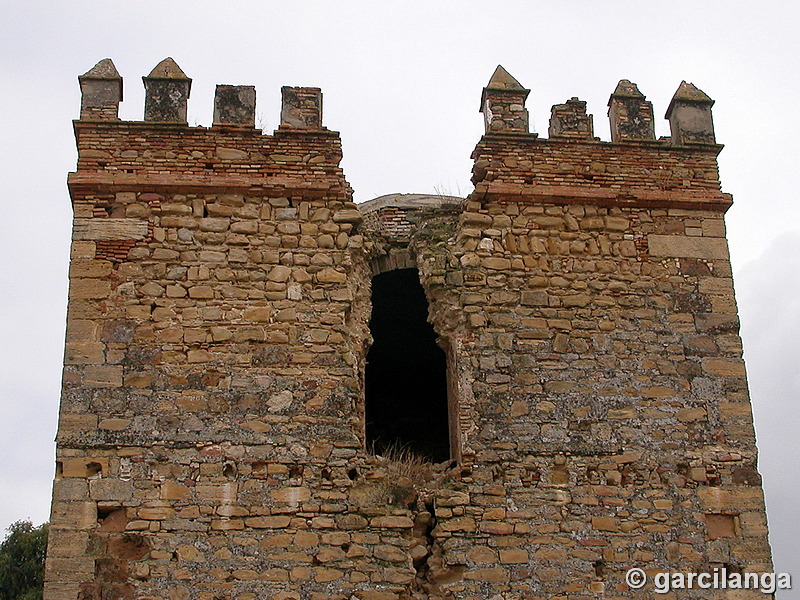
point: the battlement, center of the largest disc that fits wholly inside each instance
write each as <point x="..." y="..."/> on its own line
<point x="630" y="114"/>
<point x="634" y="169"/>
<point x="167" y="90"/>
<point x="163" y="152"/>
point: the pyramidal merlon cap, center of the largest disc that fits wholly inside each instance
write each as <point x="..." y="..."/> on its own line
<point x="689" y="93"/>
<point x="689" y="115"/>
<point x="503" y="80"/>
<point x="503" y="104"/>
<point x="104" y="69"/>
<point x="501" y="83"/>
<point x="626" y="89"/>
<point x="167" y="69"/>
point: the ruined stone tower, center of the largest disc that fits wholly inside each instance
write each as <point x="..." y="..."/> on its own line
<point x="563" y="344"/>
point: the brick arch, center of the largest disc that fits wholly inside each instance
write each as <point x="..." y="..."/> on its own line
<point x="397" y="258"/>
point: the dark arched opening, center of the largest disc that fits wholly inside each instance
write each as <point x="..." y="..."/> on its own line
<point x="406" y="371"/>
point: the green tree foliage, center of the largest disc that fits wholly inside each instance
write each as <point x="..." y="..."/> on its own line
<point x="22" y="562"/>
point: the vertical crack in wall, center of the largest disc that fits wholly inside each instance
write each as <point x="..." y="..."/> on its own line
<point x="428" y="555"/>
<point x="422" y="549"/>
<point x="424" y="522"/>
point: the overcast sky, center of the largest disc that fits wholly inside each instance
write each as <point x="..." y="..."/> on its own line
<point x="402" y="83"/>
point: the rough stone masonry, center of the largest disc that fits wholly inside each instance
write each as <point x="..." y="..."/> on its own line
<point x="211" y="441"/>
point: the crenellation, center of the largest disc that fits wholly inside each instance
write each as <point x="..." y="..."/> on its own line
<point x="301" y="108"/>
<point x="166" y="91"/>
<point x="213" y="434"/>
<point x="630" y="114"/>
<point x="235" y="105"/>
<point x="570" y="120"/>
<point x="101" y="92"/>
<point x="503" y="104"/>
<point x="689" y="115"/>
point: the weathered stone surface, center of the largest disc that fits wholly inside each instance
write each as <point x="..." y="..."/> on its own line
<point x="101" y="91"/>
<point x="301" y="108"/>
<point x="689" y="115"/>
<point x="166" y="93"/>
<point x="235" y="105"/>
<point x="212" y="429"/>
<point x="631" y="116"/>
<point x="678" y="246"/>
<point x="109" y="229"/>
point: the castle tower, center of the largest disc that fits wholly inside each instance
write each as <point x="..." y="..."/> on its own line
<point x="226" y="429"/>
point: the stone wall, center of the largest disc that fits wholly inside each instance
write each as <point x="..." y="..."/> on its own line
<point x="211" y="436"/>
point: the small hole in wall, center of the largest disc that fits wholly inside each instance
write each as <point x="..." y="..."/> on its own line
<point x="599" y="569"/>
<point x="733" y="568"/>
<point x="94" y="469"/>
<point x="295" y="471"/>
<point x="326" y="474"/>
<point x="111" y="519"/>
<point x="104" y="511"/>
<point x="353" y="474"/>
<point x="209" y="165"/>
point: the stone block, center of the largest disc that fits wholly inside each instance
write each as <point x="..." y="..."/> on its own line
<point x="391" y="522"/>
<point x="235" y="105"/>
<point x="107" y="376"/>
<point x="109" y="229"/>
<point x="720" y="526"/>
<point x="271" y="522"/>
<point x="89" y="289"/>
<point x="301" y="108"/>
<point x="69" y="489"/>
<point x="679" y="246"/>
<point x="63" y="543"/>
<point x="73" y="516"/>
<point x="110" y="489"/>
